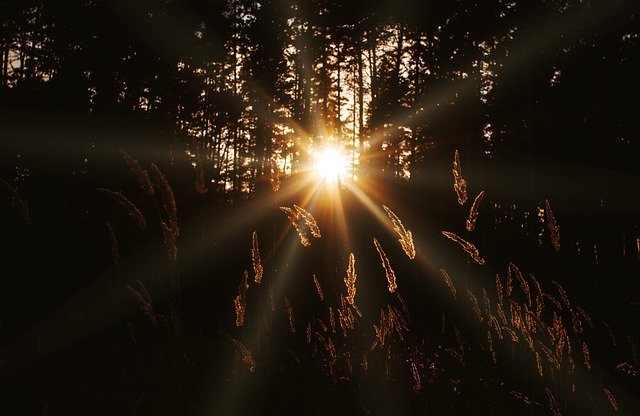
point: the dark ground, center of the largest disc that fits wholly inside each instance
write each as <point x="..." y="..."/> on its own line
<point x="74" y="341"/>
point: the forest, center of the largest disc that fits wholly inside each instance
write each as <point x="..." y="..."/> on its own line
<point x="231" y="207"/>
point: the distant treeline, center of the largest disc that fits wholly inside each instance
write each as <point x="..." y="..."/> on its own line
<point x="235" y="84"/>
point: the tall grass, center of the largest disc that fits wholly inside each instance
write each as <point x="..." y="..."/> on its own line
<point x="514" y="321"/>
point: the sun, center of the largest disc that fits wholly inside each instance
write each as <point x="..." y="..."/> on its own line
<point x="330" y="164"/>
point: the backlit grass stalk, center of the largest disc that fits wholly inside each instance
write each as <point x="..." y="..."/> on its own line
<point x="240" y="301"/>
<point x="131" y="209"/>
<point x="612" y="400"/>
<point x="449" y="282"/>
<point x="350" y="280"/>
<point x="294" y="216"/>
<point x="289" y="310"/>
<point x="170" y="240"/>
<point x="473" y="212"/>
<point x="245" y="355"/>
<point x="143" y="298"/>
<point x="406" y="239"/>
<point x="316" y="282"/>
<point x="391" y="276"/>
<point x="139" y="172"/>
<point x="466" y="246"/>
<point x="309" y="220"/>
<point x="552" y="225"/>
<point x="459" y="184"/>
<point x="168" y="199"/>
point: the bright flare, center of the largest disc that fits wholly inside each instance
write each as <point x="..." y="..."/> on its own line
<point x="330" y="164"/>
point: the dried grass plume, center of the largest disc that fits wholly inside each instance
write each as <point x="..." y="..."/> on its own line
<point x="391" y="276"/>
<point x="406" y="239"/>
<point x="459" y="184"/>
<point x="466" y="246"/>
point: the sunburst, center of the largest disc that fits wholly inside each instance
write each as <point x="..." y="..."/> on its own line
<point x="330" y="164"/>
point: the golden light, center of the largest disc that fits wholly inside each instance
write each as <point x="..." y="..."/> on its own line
<point x="330" y="164"/>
